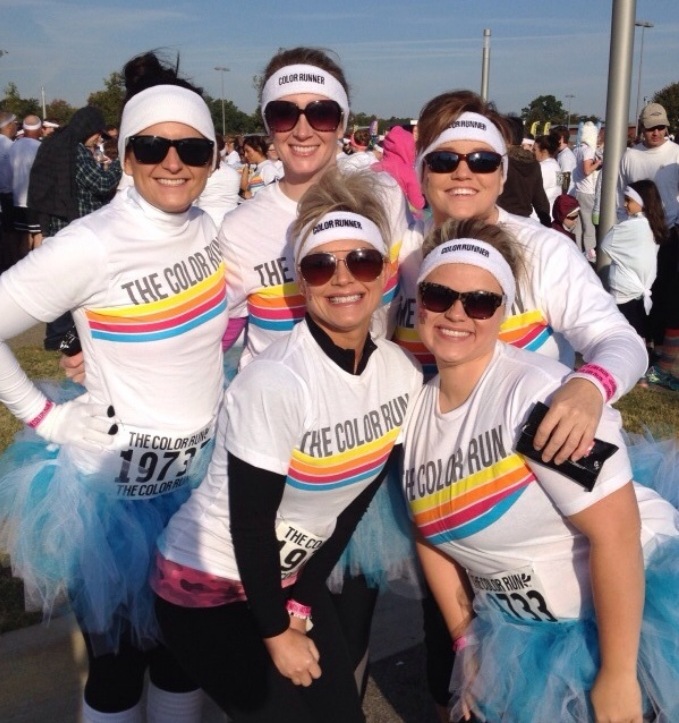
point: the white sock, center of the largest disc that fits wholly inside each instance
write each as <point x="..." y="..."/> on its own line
<point x="165" y="707"/>
<point x="132" y="715"/>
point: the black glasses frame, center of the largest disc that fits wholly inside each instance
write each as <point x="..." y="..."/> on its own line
<point x="363" y="264"/>
<point x="477" y="161"/>
<point x="315" y="112"/>
<point x="150" y="150"/>
<point x="476" y="304"/>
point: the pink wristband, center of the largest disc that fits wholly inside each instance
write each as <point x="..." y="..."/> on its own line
<point x="462" y="642"/>
<point x="298" y="610"/>
<point x="602" y="376"/>
<point x="45" y="411"/>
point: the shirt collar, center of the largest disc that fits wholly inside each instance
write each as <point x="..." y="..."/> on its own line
<point x="344" y="358"/>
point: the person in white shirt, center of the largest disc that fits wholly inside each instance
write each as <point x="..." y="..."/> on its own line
<point x="545" y="148"/>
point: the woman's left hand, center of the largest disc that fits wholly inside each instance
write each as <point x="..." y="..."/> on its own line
<point x="567" y="431"/>
<point x="616" y="698"/>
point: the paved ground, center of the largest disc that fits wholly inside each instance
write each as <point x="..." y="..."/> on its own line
<point x="42" y="668"/>
<point x="42" y="671"/>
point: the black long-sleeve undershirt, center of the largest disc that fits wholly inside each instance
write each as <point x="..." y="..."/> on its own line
<point x="254" y="498"/>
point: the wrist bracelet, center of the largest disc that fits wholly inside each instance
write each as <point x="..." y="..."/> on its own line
<point x="463" y="641"/>
<point x="297" y="610"/>
<point x="605" y="379"/>
<point x="45" y="411"/>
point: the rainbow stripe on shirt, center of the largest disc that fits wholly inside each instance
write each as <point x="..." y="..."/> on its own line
<point x="322" y="474"/>
<point x="276" y="308"/>
<point x="408" y="339"/>
<point x="161" y="319"/>
<point x="529" y="330"/>
<point x="391" y="289"/>
<point x="473" y="503"/>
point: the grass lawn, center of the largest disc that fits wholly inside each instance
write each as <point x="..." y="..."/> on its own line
<point x="654" y="408"/>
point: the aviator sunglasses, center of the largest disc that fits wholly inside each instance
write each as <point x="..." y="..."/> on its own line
<point x="363" y="264"/>
<point x="153" y="149"/>
<point x="476" y="304"/>
<point x="448" y="161"/>
<point x="323" y="115"/>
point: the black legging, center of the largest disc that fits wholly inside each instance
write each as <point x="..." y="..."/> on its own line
<point x="222" y="650"/>
<point x="115" y="681"/>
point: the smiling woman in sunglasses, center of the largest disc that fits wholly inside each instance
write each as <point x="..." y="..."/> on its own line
<point x="306" y="431"/>
<point x="95" y="480"/>
<point x="555" y="568"/>
<point x="305" y="107"/>
<point x="560" y="306"/>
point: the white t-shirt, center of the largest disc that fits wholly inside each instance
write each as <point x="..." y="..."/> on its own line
<point x="660" y="165"/>
<point x="560" y="305"/>
<point x="5" y="166"/>
<point x="260" y="268"/>
<point x="584" y="183"/>
<point x="221" y="193"/>
<point x="148" y="295"/>
<point x="500" y="515"/>
<point x="294" y="412"/>
<point x="21" y="157"/>
<point x="551" y="180"/>
<point x="634" y="259"/>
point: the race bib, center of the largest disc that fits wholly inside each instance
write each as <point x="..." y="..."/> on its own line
<point x="150" y="464"/>
<point x="516" y="593"/>
<point x="296" y="547"/>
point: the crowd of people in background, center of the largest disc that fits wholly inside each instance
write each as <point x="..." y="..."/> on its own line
<point x="338" y="337"/>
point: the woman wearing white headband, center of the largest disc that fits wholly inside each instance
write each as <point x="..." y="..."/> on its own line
<point x="305" y="434"/>
<point x="555" y="570"/>
<point x="305" y="108"/>
<point x="560" y="305"/>
<point x="89" y="489"/>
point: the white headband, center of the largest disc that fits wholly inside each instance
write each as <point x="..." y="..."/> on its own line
<point x="335" y="226"/>
<point x="49" y="124"/>
<point x="475" y="253"/>
<point x="468" y="127"/>
<point x="32" y="126"/>
<point x="631" y="193"/>
<point x="293" y="79"/>
<point x="162" y="104"/>
<point x="8" y="120"/>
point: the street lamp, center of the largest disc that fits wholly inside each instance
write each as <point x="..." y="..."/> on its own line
<point x="570" y="97"/>
<point x="222" y="70"/>
<point x="643" y="24"/>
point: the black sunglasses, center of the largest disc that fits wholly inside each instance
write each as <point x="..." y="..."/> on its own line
<point x="448" y="161"/>
<point x="363" y="264"/>
<point x="476" y="304"/>
<point x="323" y="115"/>
<point x="153" y="149"/>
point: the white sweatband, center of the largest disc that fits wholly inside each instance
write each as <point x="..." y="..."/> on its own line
<point x="633" y="195"/>
<point x="475" y="253"/>
<point x="336" y="226"/>
<point x="468" y="127"/>
<point x="8" y="120"/>
<point x="49" y="124"/>
<point x="163" y="104"/>
<point x="32" y="126"/>
<point x="293" y="79"/>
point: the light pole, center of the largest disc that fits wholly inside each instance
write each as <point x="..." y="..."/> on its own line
<point x="222" y="70"/>
<point x="643" y="24"/>
<point x="570" y="97"/>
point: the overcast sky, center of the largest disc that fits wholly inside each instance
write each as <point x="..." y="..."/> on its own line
<point x="396" y="54"/>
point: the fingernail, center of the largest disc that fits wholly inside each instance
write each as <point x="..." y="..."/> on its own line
<point x="110" y="412"/>
<point x="113" y="429"/>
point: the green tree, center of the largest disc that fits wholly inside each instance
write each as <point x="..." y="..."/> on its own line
<point x="237" y="122"/>
<point x="668" y="97"/>
<point x="542" y="109"/>
<point x="21" y="107"/>
<point x="110" y="100"/>
<point x="59" y="111"/>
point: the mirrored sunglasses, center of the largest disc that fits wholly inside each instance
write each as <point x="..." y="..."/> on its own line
<point x="363" y="264"/>
<point x="153" y="149"/>
<point x="322" y="115"/>
<point x="476" y="304"/>
<point x="477" y="161"/>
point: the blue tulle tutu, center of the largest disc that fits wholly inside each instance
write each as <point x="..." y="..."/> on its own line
<point x="534" y="672"/>
<point x="75" y="544"/>
<point x="231" y="359"/>
<point x="655" y="463"/>
<point x="381" y="547"/>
